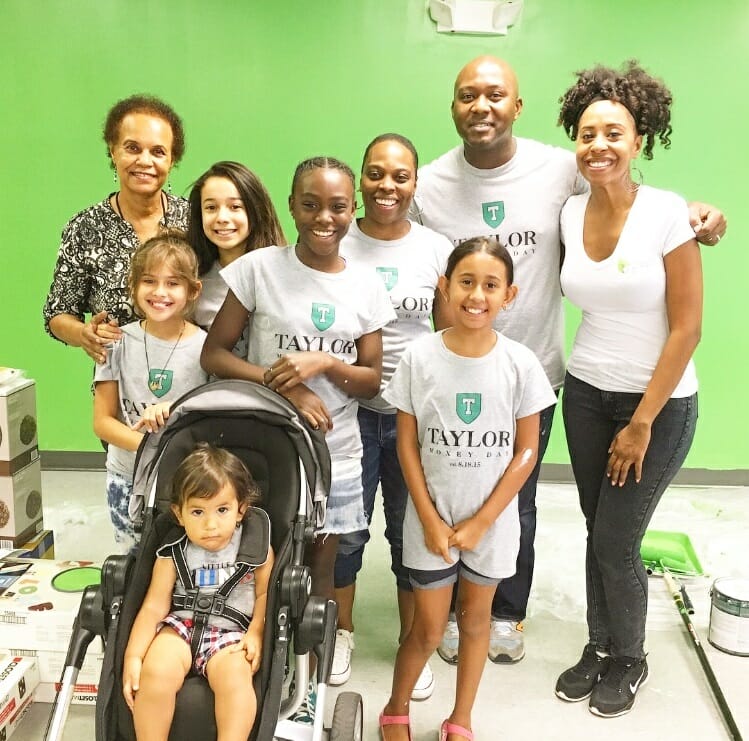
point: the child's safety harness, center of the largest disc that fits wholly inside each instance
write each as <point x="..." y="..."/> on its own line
<point x="253" y="550"/>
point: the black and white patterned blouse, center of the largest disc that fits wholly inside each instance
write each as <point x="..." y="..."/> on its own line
<point x="94" y="261"/>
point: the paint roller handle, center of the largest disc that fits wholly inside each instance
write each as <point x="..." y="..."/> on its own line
<point x="678" y="593"/>
<point x="687" y="600"/>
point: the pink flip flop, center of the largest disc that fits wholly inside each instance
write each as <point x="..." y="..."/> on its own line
<point x="447" y="728"/>
<point x="395" y="720"/>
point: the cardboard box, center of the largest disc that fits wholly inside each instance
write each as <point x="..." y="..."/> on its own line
<point x="17" y="418"/>
<point x="11" y="717"/>
<point x="33" y="614"/>
<point x="21" y="502"/>
<point x="41" y="545"/>
<point x="19" y="678"/>
<point x="51" y="664"/>
<point x="83" y="694"/>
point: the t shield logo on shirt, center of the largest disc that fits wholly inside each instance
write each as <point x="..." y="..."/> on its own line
<point x="160" y="381"/>
<point x="389" y="277"/>
<point x="494" y="213"/>
<point x="468" y="407"/>
<point x="323" y="315"/>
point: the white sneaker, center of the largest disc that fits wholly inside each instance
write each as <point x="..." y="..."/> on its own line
<point x="506" y="641"/>
<point x="424" y="684"/>
<point x="448" y="648"/>
<point x="344" y="645"/>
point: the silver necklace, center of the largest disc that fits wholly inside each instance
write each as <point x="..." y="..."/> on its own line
<point x="156" y="379"/>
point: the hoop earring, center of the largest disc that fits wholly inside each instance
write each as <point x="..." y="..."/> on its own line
<point x="635" y="183"/>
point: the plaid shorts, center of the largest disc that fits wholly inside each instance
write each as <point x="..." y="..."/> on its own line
<point x="214" y="639"/>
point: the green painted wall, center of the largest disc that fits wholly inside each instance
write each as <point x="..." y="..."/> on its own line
<point x="269" y="83"/>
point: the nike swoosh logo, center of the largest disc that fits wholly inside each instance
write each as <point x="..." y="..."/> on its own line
<point x="633" y="687"/>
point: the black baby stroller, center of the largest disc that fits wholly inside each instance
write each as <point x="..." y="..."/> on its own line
<point x="291" y="464"/>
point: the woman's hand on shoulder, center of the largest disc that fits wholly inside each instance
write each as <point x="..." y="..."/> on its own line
<point x="709" y="223"/>
<point x="628" y="449"/>
<point x="291" y="370"/>
<point x="108" y="330"/>
<point x="310" y="406"/>
<point x="90" y="340"/>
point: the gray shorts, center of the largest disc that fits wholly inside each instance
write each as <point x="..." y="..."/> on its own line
<point x="444" y="577"/>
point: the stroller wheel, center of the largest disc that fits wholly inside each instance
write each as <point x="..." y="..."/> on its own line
<point x="348" y="718"/>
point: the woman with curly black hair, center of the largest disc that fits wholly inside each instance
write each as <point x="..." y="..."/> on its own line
<point x="632" y="265"/>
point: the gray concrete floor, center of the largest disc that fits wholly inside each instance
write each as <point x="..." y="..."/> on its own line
<point x="514" y="701"/>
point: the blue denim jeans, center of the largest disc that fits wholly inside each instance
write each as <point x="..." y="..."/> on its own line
<point x="379" y="465"/>
<point x="616" y="517"/>
<point x="511" y="598"/>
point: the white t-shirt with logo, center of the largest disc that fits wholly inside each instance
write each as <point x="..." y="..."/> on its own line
<point x="465" y="410"/>
<point x="295" y="308"/>
<point x="140" y="386"/>
<point x="519" y="204"/>
<point x="410" y="268"/>
<point x="624" y="323"/>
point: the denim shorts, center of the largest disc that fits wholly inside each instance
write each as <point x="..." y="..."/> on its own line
<point x="345" y="510"/>
<point x="119" y="489"/>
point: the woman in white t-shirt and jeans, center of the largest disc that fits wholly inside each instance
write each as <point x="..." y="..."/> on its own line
<point x="632" y="265"/>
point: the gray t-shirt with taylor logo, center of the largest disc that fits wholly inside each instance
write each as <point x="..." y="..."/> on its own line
<point x="465" y="410"/>
<point x="519" y="204"/>
<point x="139" y="386"/>
<point x="410" y="268"/>
<point x="295" y="308"/>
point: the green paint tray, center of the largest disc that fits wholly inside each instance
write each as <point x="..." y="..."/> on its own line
<point x="664" y="550"/>
<point x="77" y="578"/>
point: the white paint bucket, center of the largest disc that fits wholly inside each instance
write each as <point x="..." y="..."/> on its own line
<point x="729" y="615"/>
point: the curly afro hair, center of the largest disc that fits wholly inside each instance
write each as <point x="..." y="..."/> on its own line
<point x="647" y="98"/>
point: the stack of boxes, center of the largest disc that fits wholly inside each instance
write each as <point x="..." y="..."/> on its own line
<point x="36" y="623"/>
<point x="36" y="620"/>
<point x="19" y="678"/>
<point x="21" y="520"/>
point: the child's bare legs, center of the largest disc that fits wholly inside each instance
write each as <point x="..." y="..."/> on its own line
<point x="344" y="596"/>
<point x="473" y="613"/>
<point x="165" y="667"/>
<point x="431" y="608"/>
<point x="230" y="677"/>
<point x="405" y="612"/>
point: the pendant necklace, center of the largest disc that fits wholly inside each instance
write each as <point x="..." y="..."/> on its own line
<point x="160" y="379"/>
<point x="119" y="208"/>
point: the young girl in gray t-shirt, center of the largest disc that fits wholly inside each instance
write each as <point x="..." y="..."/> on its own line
<point x="468" y="401"/>
<point x="155" y="361"/>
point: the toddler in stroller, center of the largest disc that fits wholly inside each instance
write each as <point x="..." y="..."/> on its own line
<point x="291" y="466"/>
<point x="219" y="557"/>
